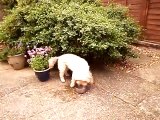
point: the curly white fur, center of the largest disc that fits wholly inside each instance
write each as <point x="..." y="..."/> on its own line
<point x="78" y="66"/>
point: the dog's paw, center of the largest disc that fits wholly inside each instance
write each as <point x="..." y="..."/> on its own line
<point x="71" y="85"/>
<point x="63" y="80"/>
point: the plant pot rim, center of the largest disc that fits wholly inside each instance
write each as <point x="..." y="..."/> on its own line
<point x="41" y="70"/>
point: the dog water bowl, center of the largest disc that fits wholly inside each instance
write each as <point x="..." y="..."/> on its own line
<point x="81" y="89"/>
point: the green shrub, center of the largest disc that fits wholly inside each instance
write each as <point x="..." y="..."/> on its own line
<point x="4" y="54"/>
<point x="12" y="3"/>
<point x="7" y="51"/>
<point x="83" y="28"/>
<point x="16" y="51"/>
<point x="9" y="3"/>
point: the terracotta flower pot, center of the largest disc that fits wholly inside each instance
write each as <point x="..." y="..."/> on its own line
<point x="43" y="75"/>
<point x="18" y="62"/>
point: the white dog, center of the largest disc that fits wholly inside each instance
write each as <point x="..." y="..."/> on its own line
<point x="81" y="74"/>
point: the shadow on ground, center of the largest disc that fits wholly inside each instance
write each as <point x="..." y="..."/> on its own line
<point x="128" y="91"/>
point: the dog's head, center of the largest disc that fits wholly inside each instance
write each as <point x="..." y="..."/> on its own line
<point x="85" y="82"/>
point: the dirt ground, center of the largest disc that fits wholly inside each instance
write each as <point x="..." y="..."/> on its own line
<point x="128" y="91"/>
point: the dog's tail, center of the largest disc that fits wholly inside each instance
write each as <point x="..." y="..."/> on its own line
<point x="52" y="61"/>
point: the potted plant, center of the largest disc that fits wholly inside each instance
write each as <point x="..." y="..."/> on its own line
<point x="16" y="57"/>
<point x="39" y="62"/>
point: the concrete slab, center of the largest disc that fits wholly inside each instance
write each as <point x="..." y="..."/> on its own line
<point x="151" y="73"/>
<point x="92" y="108"/>
<point x="11" y="80"/>
<point x="146" y="65"/>
<point x="130" y="89"/>
<point x="151" y="105"/>
<point x="116" y="95"/>
<point x="4" y="66"/>
<point x="40" y="101"/>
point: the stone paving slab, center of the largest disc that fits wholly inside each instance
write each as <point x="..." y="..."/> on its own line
<point x="151" y="74"/>
<point x="54" y="100"/>
<point x="4" y="66"/>
<point x="130" y="89"/>
<point x="147" y="65"/>
<point x="116" y="95"/>
<point x="151" y="105"/>
<point x="91" y="107"/>
<point x="51" y="100"/>
<point x="12" y="80"/>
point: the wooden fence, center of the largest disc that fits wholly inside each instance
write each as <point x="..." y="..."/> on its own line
<point x="147" y="13"/>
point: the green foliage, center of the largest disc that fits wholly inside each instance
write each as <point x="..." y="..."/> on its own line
<point x="10" y="27"/>
<point x="16" y="51"/>
<point x="39" y="63"/>
<point x="72" y="26"/>
<point x="4" y="54"/>
<point x="80" y="1"/>
<point x="7" y="51"/>
<point x="27" y="2"/>
<point x="9" y="3"/>
<point x="13" y="3"/>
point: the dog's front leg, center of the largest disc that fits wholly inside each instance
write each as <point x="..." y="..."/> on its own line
<point x="72" y="84"/>
<point x="61" y="74"/>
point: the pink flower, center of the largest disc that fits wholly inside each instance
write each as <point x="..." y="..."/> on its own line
<point x="33" y="52"/>
<point x="38" y="52"/>
<point x="42" y="52"/>
<point x="28" y="51"/>
<point x="41" y="49"/>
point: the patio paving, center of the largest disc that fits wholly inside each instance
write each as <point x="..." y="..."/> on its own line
<point x="129" y="91"/>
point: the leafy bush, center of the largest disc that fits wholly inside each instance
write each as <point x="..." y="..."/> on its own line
<point x="9" y="3"/>
<point x="16" y="51"/>
<point x="4" y="54"/>
<point x="7" y="51"/>
<point x="83" y="28"/>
